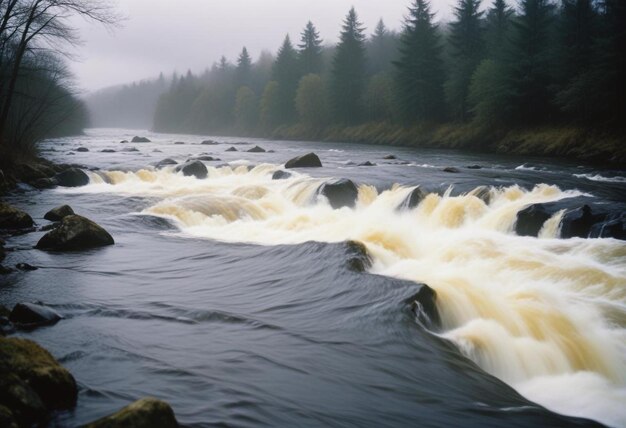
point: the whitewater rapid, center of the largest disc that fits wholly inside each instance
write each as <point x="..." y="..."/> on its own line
<point x="545" y="315"/>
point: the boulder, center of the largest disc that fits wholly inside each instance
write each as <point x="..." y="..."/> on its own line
<point x="25" y="267"/>
<point x="424" y="305"/>
<point x="389" y="157"/>
<point x="340" y="193"/>
<point x="53" y="384"/>
<point x="281" y="175"/>
<point x="139" y="140"/>
<point x="358" y="258"/>
<point x="209" y="143"/>
<point x="29" y="172"/>
<point x="232" y="149"/>
<point x="578" y="222"/>
<point x="144" y="413"/>
<point x="72" y="177"/>
<point x="130" y="149"/>
<point x="193" y="168"/>
<point x="166" y="162"/>
<point x="179" y="143"/>
<point x="20" y="406"/>
<point x="13" y="218"/>
<point x="59" y="213"/>
<point x="414" y="198"/>
<point x="44" y="183"/>
<point x="310" y="160"/>
<point x="107" y="151"/>
<point x="530" y="220"/>
<point x="256" y="149"/>
<point x="451" y="169"/>
<point x="614" y="226"/>
<point x="366" y="163"/>
<point x="82" y="149"/>
<point x="29" y="315"/>
<point x="75" y="233"/>
<point x="124" y="142"/>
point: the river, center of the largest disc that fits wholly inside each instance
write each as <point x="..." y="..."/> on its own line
<point x="230" y="298"/>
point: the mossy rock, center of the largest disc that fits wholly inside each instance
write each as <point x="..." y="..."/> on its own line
<point x="75" y="233"/>
<point x="31" y="363"/>
<point x="13" y="218"/>
<point x="144" y="413"/>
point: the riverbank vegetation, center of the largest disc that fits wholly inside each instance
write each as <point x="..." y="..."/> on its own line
<point x="37" y="97"/>
<point x="538" y="77"/>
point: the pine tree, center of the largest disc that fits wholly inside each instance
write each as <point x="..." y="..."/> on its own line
<point x="466" y="42"/>
<point x="244" y="68"/>
<point x="497" y="31"/>
<point x="381" y="49"/>
<point x="286" y="73"/>
<point x="420" y="74"/>
<point x="310" y="53"/>
<point x="348" y="74"/>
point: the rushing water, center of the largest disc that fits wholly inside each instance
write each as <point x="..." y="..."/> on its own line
<point x="230" y="298"/>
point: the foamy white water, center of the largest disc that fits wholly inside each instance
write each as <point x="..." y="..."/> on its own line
<point x="547" y="316"/>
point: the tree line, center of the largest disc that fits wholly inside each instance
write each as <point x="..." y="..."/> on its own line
<point x="533" y="63"/>
<point x="37" y="97"/>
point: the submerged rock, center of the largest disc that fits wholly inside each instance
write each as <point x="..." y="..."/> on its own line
<point x="25" y="267"/>
<point x="193" y="168"/>
<point x="206" y="158"/>
<point x="340" y="193"/>
<point x="451" y="169"/>
<point x="13" y="218"/>
<point x="72" y="177"/>
<point x="33" y="366"/>
<point x="359" y="259"/>
<point x="310" y="160"/>
<point x="166" y="162"/>
<point x="75" y="233"/>
<point x="30" y="315"/>
<point x="474" y="167"/>
<point x="82" y="149"/>
<point x="232" y="149"/>
<point x="366" y="163"/>
<point x="59" y="213"/>
<point x="140" y="140"/>
<point x="424" y="305"/>
<point x="389" y="157"/>
<point x="130" y="149"/>
<point x="281" y="175"/>
<point x="483" y="193"/>
<point x="209" y="143"/>
<point x="256" y="149"/>
<point x="44" y="183"/>
<point x="124" y="142"/>
<point x="107" y="151"/>
<point x="414" y="198"/>
<point x="144" y="413"/>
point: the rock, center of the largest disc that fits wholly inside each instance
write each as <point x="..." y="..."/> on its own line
<point x="157" y="151"/>
<point x="451" y="169"/>
<point x="206" y="158"/>
<point x="82" y="149"/>
<point x="179" y="143"/>
<point x="72" y="177"/>
<point x="59" y="213"/>
<point x="390" y="157"/>
<point x="5" y="270"/>
<point x="530" y="220"/>
<point x="193" y="168"/>
<point x="107" y="151"/>
<point x="32" y="364"/>
<point x="209" y="143"/>
<point x="483" y="193"/>
<point x="232" y="149"/>
<point x="310" y="160"/>
<point x="366" y="163"/>
<point x="424" y="305"/>
<point x="614" y="226"/>
<point x="340" y="193"/>
<point x="281" y="175"/>
<point x="358" y="258"/>
<point x="256" y="149"/>
<point x="124" y="142"/>
<point x="25" y="267"/>
<point x="13" y="218"/>
<point x="140" y="140"/>
<point x="166" y="162"/>
<point x="130" y="149"/>
<point x="414" y="198"/>
<point x="29" y="315"/>
<point x="20" y="406"/>
<point x="44" y="183"/>
<point x="30" y="172"/>
<point x="75" y="233"/>
<point x="144" y="413"/>
<point x="578" y="222"/>
<point x="474" y="167"/>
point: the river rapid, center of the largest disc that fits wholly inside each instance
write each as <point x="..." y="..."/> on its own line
<point x="230" y="297"/>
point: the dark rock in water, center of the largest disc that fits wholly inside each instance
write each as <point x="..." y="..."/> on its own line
<point x="30" y="315"/>
<point x="130" y="149"/>
<point x="424" y="305"/>
<point x="156" y="151"/>
<point x="13" y="218"/>
<point x="451" y="169"/>
<point x="193" y="168"/>
<point x="124" y="142"/>
<point x="210" y="143"/>
<point x="256" y="149"/>
<point x="179" y="143"/>
<point x="281" y="175"/>
<point x="29" y="172"/>
<point x="414" y="198"/>
<point x="232" y="149"/>
<point x="58" y="213"/>
<point x="310" y="160"/>
<point x="271" y="151"/>
<point x="75" y="233"/>
<point x="82" y="149"/>
<point x="578" y="222"/>
<point x="71" y="153"/>
<point x="614" y="226"/>
<point x="474" y="167"/>
<point x="107" y="151"/>
<point x="367" y="163"/>
<point x="36" y="368"/>
<point x="340" y="193"/>
<point x="20" y="406"/>
<point x="25" y="267"/>
<point x="389" y="157"/>
<point x="206" y="158"/>
<point x="140" y="140"/>
<point x="483" y="193"/>
<point x="72" y="177"/>
<point x="166" y="162"/>
<point x="5" y="270"/>
<point x="358" y="258"/>
<point x="530" y="220"/>
<point x="144" y="413"/>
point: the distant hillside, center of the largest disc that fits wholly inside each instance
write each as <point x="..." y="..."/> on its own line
<point x="126" y="106"/>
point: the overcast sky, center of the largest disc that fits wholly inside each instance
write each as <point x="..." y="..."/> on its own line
<point x="168" y="35"/>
